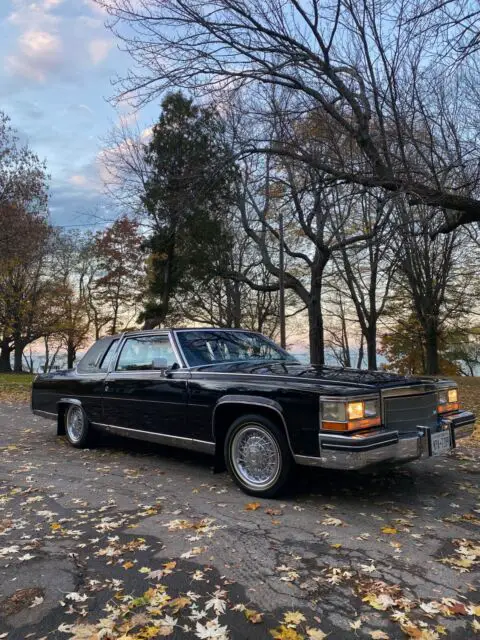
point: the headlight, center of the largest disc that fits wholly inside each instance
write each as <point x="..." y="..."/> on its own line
<point x="452" y="395"/>
<point x="448" y="400"/>
<point x="334" y="411"/>
<point x="344" y="415"/>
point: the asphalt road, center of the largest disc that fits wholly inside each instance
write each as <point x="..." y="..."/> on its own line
<point x="130" y="540"/>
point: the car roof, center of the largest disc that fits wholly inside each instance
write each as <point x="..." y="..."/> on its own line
<point x="167" y="329"/>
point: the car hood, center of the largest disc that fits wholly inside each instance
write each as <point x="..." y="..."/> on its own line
<point x="353" y="378"/>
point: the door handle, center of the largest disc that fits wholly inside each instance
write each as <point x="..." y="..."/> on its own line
<point x="107" y="388"/>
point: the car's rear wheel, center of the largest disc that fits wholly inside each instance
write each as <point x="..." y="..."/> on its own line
<point x="257" y="456"/>
<point x="76" y="426"/>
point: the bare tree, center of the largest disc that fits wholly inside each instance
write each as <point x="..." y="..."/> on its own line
<point x="437" y="278"/>
<point x="224" y="299"/>
<point x="339" y="333"/>
<point x="366" y="269"/>
<point x="315" y="209"/>
<point x="358" y="66"/>
<point x="456" y="23"/>
<point x="72" y="325"/>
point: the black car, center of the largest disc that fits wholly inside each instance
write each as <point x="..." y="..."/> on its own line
<point x="238" y="396"/>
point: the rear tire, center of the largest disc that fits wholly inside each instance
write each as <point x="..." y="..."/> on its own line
<point x="257" y="456"/>
<point x="77" y="426"/>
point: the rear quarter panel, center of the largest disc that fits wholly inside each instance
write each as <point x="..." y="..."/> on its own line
<point x="48" y="389"/>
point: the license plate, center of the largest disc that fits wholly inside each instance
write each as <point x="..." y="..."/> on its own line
<point x="440" y="443"/>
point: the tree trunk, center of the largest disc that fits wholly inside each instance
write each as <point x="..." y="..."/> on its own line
<point x="315" y="315"/>
<point x="5" y="351"/>
<point x="71" y="354"/>
<point x="360" y="352"/>
<point x="315" y="322"/>
<point x="237" y="306"/>
<point x="18" y="356"/>
<point x="432" y="365"/>
<point x="372" y="346"/>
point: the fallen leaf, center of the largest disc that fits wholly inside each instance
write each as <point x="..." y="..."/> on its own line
<point x="332" y="522"/>
<point x="253" y="616"/>
<point x="210" y="630"/>
<point x="293" y="618"/>
<point x="389" y="530"/>
<point x="379" y="635"/>
<point x="315" y="634"/>
<point x="252" y="506"/>
<point x="356" y="625"/>
<point x="37" y="601"/>
<point x="285" y="633"/>
<point x="76" y="597"/>
<point x="273" y="512"/>
<point x="179" y="603"/>
<point x="380" y="602"/>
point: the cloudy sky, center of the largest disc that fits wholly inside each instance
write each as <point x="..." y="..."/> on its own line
<point x="57" y="63"/>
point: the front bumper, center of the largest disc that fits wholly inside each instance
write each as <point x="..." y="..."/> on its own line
<point x="362" y="451"/>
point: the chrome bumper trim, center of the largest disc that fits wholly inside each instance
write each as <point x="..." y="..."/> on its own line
<point x="351" y="454"/>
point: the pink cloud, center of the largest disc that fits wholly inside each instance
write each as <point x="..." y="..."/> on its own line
<point x="38" y="53"/>
<point x="98" y="49"/>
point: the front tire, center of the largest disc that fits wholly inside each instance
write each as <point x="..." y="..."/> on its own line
<point x="76" y="426"/>
<point x="257" y="456"/>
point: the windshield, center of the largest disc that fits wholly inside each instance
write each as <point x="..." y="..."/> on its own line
<point x="212" y="347"/>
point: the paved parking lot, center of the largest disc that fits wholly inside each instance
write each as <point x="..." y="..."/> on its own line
<point x="130" y="540"/>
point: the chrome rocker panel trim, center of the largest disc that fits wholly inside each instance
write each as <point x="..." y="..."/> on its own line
<point x="45" y="414"/>
<point x="159" y="438"/>
<point x="352" y="454"/>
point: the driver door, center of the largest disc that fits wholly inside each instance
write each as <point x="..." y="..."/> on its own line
<point x="140" y="396"/>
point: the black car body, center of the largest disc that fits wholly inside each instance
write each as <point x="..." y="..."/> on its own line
<point x="238" y="396"/>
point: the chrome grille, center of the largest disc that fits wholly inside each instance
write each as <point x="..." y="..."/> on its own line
<point x="406" y="413"/>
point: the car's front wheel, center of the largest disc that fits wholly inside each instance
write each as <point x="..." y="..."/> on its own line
<point x="257" y="456"/>
<point x="76" y="426"/>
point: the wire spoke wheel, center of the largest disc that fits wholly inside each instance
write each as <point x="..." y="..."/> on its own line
<point x="75" y="424"/>
<point x="256" y="456"/>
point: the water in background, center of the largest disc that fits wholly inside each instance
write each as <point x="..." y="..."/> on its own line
<point x="304" y="358"/>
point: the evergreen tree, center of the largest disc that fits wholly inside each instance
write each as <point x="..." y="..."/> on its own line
<point x="187" y="195"/>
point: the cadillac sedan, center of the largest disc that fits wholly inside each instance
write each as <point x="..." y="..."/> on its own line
<point x="238" y="396"/>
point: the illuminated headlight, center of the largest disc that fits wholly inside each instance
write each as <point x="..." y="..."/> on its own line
<point x="448" y="400"/>
<point x="338" y="415"/>
<point x="452" y="395"/>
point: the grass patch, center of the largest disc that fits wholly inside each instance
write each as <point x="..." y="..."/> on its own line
<point x="15" y="387"/>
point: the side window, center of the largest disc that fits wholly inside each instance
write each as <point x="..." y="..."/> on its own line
<point x="91" y="360"/>
<point x="107" y="357"/>
<point x="146" y="353"/>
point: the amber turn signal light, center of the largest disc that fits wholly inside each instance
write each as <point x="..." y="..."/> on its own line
<point x="448" y="407"/>
<point x="351" y="425"/>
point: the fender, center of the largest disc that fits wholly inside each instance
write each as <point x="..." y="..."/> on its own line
<point x="254" y="401"/>
<point x="69" y="401"/>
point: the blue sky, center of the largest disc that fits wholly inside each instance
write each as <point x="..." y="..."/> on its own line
<point x="57" y="63"/>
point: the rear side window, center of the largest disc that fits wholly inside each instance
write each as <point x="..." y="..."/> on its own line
<point x="108" y="355"/>
<point x="91" y="360"/>
<point x="144" y="353"/>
